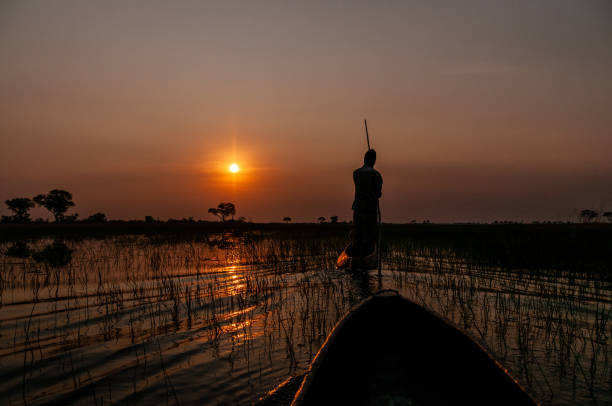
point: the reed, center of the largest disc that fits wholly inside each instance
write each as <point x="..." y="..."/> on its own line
<point x="133" y="317"/>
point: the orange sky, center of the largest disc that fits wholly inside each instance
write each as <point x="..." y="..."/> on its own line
<point x="478" y="111"/>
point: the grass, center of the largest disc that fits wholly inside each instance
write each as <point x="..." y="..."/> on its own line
<point x="135" y="317"/>
<point x="575" y="247"/>
<point x="581" y="248"/>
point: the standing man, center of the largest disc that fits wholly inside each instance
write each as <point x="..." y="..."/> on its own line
<point x="368" y="189"/>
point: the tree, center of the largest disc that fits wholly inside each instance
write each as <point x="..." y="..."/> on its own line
<point x="333" y="219"/>
<point x="223" y="210"/>
<point x="21" y="207"/>
<point x="96" y="218"/>
<point x="287" y="219"/>
<point x="71" y="218"/>
<point x="588" y="215"/>
<point x="321" y="219"/>
<point x="608" y="215"/>
<point x="56" y="201"/>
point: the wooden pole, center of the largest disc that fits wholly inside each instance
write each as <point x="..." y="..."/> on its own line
<point x="367" y="135"/>
<point x="379" y="242"/>
<point x="379" y="246"/>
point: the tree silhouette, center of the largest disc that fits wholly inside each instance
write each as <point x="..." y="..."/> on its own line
<point x="333" y="219"/>
<point x="321" y="219"/>
<point x="57" y="202"/>
<point x="96" y="218"/>
<point x="21" y="207"/>
<point x="71" y="218"/>
<point x="287" y="219"/>
<point x="588" y="215"/>
<point x="223" y="210"/>
<point x="608" y="215"/>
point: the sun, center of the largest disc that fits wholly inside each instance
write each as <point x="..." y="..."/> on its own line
<point x="234" y="168"/>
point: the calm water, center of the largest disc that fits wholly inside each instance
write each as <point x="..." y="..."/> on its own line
<point x="137" y="320"/>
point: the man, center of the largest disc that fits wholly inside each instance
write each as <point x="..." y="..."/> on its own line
<point x="368" y="189"/>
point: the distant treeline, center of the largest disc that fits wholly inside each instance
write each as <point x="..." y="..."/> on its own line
<point x="58" y="201"/>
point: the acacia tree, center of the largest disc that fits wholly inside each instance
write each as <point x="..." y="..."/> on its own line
<point x="223" y="210"/>
<point x="97" y="218"/>
<point x="21" y="207"/>
<point x="287" y="219"/>
<point x="608" y="215"/>
<point x="333" y="219"/>
<point x="321" y="219"/>
<point x="57" y="202"/>
<point x="588" y="215"/>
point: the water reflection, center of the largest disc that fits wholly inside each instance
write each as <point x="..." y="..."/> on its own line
<point x="55" y="254"/>
<point x="132" y="321"/>
<point x="18" y="249"/>
<point x="365" y="284"/>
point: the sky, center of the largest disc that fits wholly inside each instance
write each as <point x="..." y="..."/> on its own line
<point x="478" y="110"/>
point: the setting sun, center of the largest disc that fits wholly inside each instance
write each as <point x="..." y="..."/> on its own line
<point x="234" y="168"/>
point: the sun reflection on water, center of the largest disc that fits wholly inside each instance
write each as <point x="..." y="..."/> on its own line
<point x="148" y="314"/>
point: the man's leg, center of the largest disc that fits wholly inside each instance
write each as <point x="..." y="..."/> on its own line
<point x="369" y="232"/>
<point x="359" y="233"/>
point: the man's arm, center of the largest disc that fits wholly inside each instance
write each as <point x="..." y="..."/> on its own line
<point x="379" y="183"/>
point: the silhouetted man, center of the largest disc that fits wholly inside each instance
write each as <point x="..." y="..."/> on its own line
<point x="368" y="189"/>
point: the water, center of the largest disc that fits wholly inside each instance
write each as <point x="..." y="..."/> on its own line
<point x="225" y="319"/>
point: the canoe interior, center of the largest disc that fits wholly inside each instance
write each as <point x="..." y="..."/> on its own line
<point x="391" y="351"/>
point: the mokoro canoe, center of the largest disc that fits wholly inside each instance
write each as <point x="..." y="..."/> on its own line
<point x="390" y="351"/>
<point x="351" y="263"/>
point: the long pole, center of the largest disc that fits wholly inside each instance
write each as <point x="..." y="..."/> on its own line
<point x="378" y="245"/>
<point x="367" y="135"/>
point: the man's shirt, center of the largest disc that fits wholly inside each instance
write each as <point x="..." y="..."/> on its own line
<point x="368" y="188"/>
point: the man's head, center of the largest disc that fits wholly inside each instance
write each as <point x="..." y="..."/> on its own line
<point x="370" y="157"/>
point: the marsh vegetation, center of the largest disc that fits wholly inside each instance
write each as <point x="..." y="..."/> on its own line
<point x="222" y="318"/>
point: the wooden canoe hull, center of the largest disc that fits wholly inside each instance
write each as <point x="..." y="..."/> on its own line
<point x="389" y="350"/>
